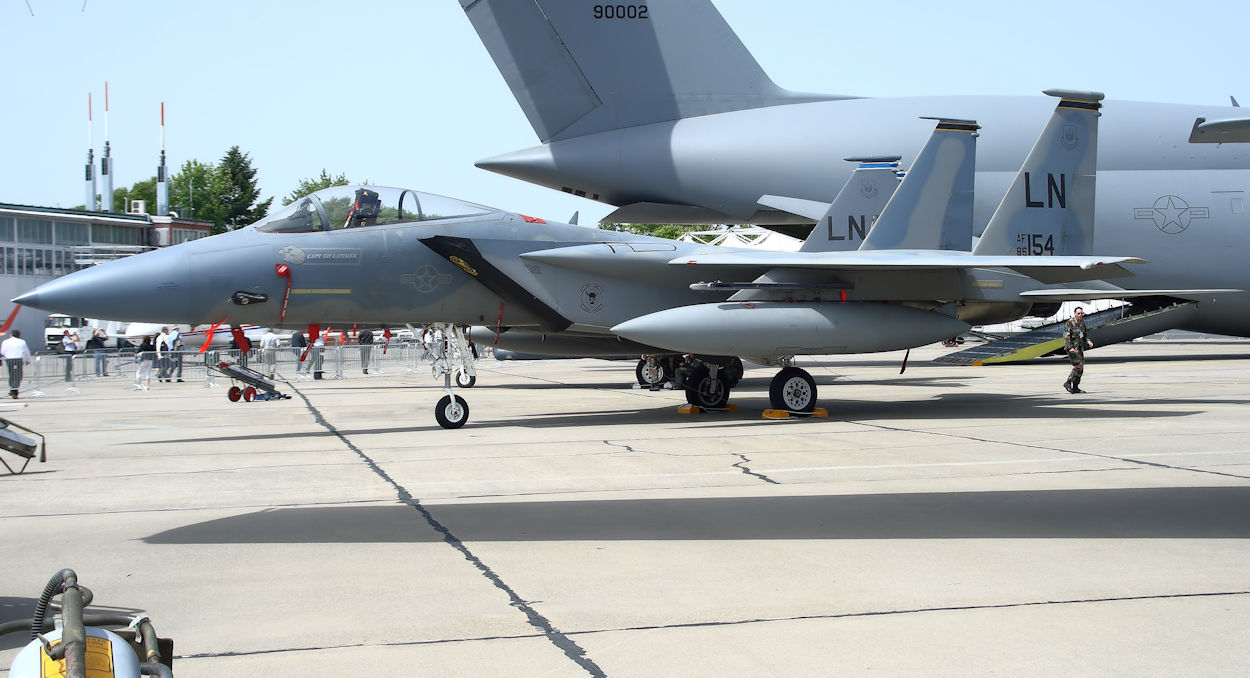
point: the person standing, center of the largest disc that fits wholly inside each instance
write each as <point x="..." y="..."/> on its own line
<point x="269" y="352"/>
<point x="174" y="352"/>
<point x="15" y="353"/>
<point x="162" y="355"/>
<point x="366" y="349"/>
<point x="69" y="344"/>
<point x="298" y="344"/>
<point x="314" y="357"/>
<point x="147" y="358"/>
<point x="1075" y="339"/>
<point x="97" y="343"/>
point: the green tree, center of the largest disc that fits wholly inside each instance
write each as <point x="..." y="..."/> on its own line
<point x="239" y="196"/>
<point x="194" y="193"/>
<point x="669" y="231"/>
<point x="142" y="190"/>
<point x="307" y="186"/>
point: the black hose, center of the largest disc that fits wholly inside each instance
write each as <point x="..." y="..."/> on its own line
<point x="41" y="608"/>
<point x="155" y="669"/>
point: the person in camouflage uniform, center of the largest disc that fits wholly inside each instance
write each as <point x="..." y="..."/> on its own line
<point x="1075" y="340"/>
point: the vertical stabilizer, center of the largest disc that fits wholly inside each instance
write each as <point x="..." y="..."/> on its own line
<point x="1049" y="209"/>
<point x="852" y="214"/>
<point x="932" y="208"/>
<point x="578" y="68"/>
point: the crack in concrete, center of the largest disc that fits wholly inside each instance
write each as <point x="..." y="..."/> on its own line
<point x="562" y="641"/>
<point x="742" y="466"/>
<point x="920" y="610"/>
<point x="738" y="622"/>
<point x="1126" y="460"/>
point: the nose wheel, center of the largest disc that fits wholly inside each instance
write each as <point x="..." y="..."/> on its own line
<point x="452" y="361"/>
<point x="452" y="411"/>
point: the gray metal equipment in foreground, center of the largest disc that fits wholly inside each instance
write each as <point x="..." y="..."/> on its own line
<point x="22" y="446"/>
<point x="67" y="646"/>
<point x="257" y="386"/>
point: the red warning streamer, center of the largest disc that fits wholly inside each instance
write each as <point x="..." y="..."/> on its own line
<point x="9" y="323"/>
<point x="208" y="337"/>
<point x="284" y="271"/>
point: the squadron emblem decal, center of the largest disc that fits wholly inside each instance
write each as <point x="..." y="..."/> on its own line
<point x="1069" y="138"/>
<point x="291" y="255"/>
<point x="868" y="189"/>
<point x="592" y="298"/>
<point x="1171" y="214"/>
<point x="425" y="279"/>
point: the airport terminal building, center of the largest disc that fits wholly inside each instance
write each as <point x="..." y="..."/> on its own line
<point x="38" y="244"/>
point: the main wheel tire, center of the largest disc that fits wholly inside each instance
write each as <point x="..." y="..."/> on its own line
<point x="704" y="390"/>
<point x="464" y="380"/>
<point x="793" y="390"/>
<point x="650" y="373"/>
<point x="451" y="412"/>
<point x="234" y="394"/>
<point x="249" y="394"/>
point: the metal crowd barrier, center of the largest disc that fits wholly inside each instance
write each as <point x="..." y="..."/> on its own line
<point x="51" y="374"/>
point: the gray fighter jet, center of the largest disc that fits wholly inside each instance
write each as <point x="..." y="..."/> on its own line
<point x="380" y="256"/>
<point x="690" y="129"/>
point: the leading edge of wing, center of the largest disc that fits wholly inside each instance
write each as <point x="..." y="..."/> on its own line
<point x="1045" y="269"/>
<point x="1074" y="294"/>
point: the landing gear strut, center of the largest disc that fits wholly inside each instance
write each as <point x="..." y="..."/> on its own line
<point x="707" y="387"/>
<point x="452" y="357"/>
<point x="653" y="370"/>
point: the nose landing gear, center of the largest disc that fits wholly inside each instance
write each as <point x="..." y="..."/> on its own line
<point x="453" y="363"/>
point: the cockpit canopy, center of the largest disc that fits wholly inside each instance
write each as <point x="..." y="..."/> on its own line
<point x="352" y="206"/>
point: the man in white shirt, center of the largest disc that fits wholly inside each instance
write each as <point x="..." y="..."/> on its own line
<point x="269" y="351"/>
<point x="15" y="353"/>
<point x="174" y="346"/>
<point x="69" y="346"/>
<point x="162" y="355"/>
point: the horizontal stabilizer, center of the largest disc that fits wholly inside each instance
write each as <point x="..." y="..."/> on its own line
<point x="1222" y="131"/>
<point x="669" y="213"/>
<point x="808" y="209"/>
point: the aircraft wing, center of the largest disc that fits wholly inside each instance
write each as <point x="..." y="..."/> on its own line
<point x="1073" y="294"/>
<point x="1223" y="130"/>
<point x="1056" y="269"/>
<point x="811" y="209"/>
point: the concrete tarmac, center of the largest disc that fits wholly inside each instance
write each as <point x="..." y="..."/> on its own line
<point x="945" y="521"/>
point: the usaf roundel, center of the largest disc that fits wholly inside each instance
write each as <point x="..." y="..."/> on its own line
<point x="592" y="298"/>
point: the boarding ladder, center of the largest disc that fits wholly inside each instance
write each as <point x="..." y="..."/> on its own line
<point x="1146" y="315"/>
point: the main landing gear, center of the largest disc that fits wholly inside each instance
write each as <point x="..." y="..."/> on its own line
<point x="792" y="390"/>
<point x="453" y="362"/>
<point x="709" y="380"/>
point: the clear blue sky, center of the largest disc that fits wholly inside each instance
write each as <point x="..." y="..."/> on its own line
<point x="402" y="93"/>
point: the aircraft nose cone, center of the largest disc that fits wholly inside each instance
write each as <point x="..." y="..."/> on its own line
<point x="152" y="286"/>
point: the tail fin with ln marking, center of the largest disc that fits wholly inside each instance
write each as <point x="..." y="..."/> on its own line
<point x="932" y="208"/>
<point x="1049" y="209"/>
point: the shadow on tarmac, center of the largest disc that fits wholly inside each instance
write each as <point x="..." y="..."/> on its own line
<point x="1132" y="513"/>
<point x="962" y="405"/>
